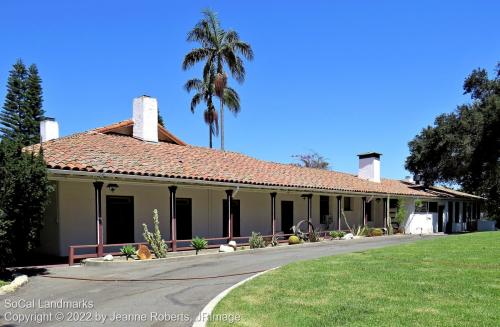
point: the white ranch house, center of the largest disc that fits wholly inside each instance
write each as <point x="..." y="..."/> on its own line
<point x="108" y="181"/>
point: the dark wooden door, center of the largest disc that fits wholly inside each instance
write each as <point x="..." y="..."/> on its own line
<point x="119" y="219"/>
<point x="440" y="218"/>
<point x="235" y="211"/>
<point x="184" y="219"/>
<point x="368" y="210"/>
<point x="286" y="216"/>
<point x="449" y="224"/>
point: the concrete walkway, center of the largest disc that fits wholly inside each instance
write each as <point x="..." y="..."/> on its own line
<point x="155" y="303"/>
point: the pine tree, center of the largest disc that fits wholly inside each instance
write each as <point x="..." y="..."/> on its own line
<point x="12" y="116"/>
<point x="160" y="119"/>
<point x="34" y="110"/>
<point x="22" y="110"/>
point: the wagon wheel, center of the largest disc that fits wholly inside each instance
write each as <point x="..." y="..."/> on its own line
<point x="297" y="231"/>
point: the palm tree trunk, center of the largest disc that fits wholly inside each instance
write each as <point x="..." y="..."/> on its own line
<point x="210" y="135"/>
<point x="222" y="124"/>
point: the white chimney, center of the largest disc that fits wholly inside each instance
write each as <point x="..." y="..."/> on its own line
<point x="49" y="129"/>
<point x="146" y="118"/>
<point x="369" y="166"/>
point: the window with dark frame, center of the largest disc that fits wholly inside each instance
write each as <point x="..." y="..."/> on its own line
<point x="324" y="209"/>
<point x="433" y="207"/>
<point x="422" y="207"/>
<point x="426" y="207"/>
<point x="347" y="204"/>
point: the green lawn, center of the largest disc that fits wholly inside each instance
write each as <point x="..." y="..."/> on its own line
<point x="448" y="281"/>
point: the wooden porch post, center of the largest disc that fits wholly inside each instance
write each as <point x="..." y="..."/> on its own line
<point x="173" y="217"/>
<point x="273" y="212"/>
<point x="229" y="194"/>
<point x="99" y="229"/>
<point x="308" y="197"/>
<point x="364" y="211"/>
<point x="339" y="211"/>
<point x="385" y="212"/>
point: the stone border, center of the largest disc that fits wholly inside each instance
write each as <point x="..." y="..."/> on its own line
<point x="179" y="255"/>
<point x="99" y="262"/>
<point x="19" y="281"/>
<point x="209" y="308"/>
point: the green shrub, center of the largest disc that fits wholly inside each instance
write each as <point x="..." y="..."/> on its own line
<point x="25" y="193"/>
<point x="275" y="240"/>
<point x="256" y="241"/>
<point x="336" y="234"/>
<point x="293" y="240"/>
<point x="155" y="241"/>
<point x="128" y="251"/>
<point x="314" y="237"/>
<point x="401" y="211"/>
<point x="199" y="243"/>
<point x="376" y="232"/>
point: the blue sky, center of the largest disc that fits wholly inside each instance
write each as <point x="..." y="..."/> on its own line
<point x="336" y="77"/>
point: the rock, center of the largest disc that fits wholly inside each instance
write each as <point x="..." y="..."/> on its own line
<point x="348" y="236"/>
<point x="19" y="281"/>
<point x="226" y="248"/>
<point x="233" y="245"/>
<point x="143" y="252"/>
<point x="108" y="257"/>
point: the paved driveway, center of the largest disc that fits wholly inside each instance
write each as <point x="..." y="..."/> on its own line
<point x="155" y="303"/>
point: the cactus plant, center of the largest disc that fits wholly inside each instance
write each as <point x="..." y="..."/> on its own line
<point x="154" y="239"/>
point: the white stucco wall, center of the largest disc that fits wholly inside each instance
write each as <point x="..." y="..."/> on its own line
<point x="49" y="234"/>
<point x="428" y="222"/>
<point x="72" y="221"/>
<point x="76" y="211"/>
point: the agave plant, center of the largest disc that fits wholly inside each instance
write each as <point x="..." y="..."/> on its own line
<point x="199" y="243"/>
<point x="128" y="251"/>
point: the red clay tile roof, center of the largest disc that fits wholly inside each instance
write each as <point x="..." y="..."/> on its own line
<point x="125" y="128"/>
<point x="95" y="151"/>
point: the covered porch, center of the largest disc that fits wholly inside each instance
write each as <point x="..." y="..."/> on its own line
<point x="92" y="217"/>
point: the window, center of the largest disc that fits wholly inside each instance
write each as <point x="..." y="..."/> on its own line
<point x="324" y="209"/>
<point x="421" y="207"/>
<point x="457" y="212"/>
<point x="433" y="207"/>
<point x="347" y="204"/>
<point x="393" y="203"/>
<point x="426" y="207"/>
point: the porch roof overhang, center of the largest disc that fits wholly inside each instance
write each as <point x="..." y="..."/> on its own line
<point x="96" y="154"/>
<point x="62" y="174"/>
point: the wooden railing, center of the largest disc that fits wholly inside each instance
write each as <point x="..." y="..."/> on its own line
<point x="213" y="242"/>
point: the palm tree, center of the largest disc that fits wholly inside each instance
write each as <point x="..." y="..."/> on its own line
<point x="218" y="49"/>
<point x="204" y="92"/>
